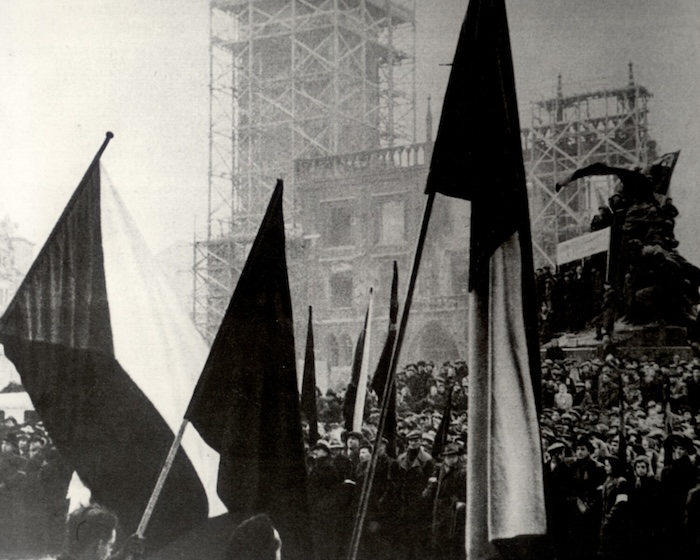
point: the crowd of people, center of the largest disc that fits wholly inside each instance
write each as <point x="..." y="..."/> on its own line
<point x="572" y="298"/>
<point x="621" y="442"/>
<point x="34" y="481"/>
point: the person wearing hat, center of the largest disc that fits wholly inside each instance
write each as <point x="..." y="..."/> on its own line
<point x="587" y="475"/>
<point x="415" y="466"/>
<point x="614" y="527"/>
<point x="678" y="477"/>
<point x="352" y="447"/>
<point x="446" y="491"/>
<point x="558" y="490"/>
<point x="645" y="508"/>
<point x="12" y="464"/>
<point x="320" y="450"/>
<point x="326" y="498"/>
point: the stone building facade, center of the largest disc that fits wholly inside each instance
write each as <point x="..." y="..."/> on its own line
<point x="359" y="213"/>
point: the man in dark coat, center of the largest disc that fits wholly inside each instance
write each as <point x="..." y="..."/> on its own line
<point x="415" y="467"/>
<point x="558" y="490"/>
<point x="678" y="477"/>
<point x="447" y="493"/>
<point x="587" y="475"/>
<point x="326" y="495"/>
<point x="644" y="508"/>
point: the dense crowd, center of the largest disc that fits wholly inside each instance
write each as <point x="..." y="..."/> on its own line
<point x="620" y="463"/>
<point x="33" y="486"/>
<point x="621" y="442"/>
<point x="571" y="299"/>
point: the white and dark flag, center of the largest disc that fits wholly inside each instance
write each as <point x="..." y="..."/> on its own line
<point x="478" y="157"/>
<point x="110" y="358"/>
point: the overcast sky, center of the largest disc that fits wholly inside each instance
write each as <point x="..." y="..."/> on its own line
<point x="73" y="69"/>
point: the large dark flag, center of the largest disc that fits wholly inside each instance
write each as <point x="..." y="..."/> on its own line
<point x="308" y="384"/>
<point x="382" y="371"/>
<point x="478" y="157"/>
<point x="109" y="357"/>
<point x="246" y="404"/>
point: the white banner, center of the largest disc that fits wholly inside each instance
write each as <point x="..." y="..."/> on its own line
<point x="583" y="246"/>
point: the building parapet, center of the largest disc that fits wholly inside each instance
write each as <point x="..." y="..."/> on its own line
<point x="348" y="165"/>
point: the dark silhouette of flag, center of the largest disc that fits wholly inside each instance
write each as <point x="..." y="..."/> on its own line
<point x="246" y="404"/>
<point x="308" y="384"/>
<point x="478" y="157"/>
<point x="107" y="354"/>
<point x="382" y="371"/>
<point x="443" y="431"/>
<point x="351" y="391"/>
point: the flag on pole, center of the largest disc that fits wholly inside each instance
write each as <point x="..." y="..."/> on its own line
<point x="444" y="427"/>
<point x="351" y="391"/>
<point x="109" y="357"/>
<point x="246" y="404"/>
<point x="382" y="371"/>
<point x="361" y="397"/>
<point x="308" y="384"/>
<point x="478" y="157"/>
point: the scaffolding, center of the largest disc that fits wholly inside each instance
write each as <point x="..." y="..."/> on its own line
<point x="293" y="79"/>
<point x="569" y="132"/>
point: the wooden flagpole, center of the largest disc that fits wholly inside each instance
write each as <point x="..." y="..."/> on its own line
<point x="164" y="472"/>
<point x="369" y="479"/>
<point x="162" y="477"/>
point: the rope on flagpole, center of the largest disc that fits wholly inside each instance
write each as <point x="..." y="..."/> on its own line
<point x="389" y="386"/>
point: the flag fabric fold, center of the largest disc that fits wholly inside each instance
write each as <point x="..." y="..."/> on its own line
<point x="351" y="391"/>
<point x="363" y="380"/>
<point x="108" y="356"/>
<point x="246" y="404"/>
<point x="308" y="384"/>
<point x="382" y="370"/>
<point x="441" y="436"/>
<point x="478" y="157"/>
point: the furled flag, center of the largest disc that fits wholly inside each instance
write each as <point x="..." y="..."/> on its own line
<point x="109" y="358"/>
<point x="351" y="391"/>
<point x="382" y="371"/>
<point x="308" y="384"/>
<point x="478" y="157"/>
<point x="246" y="404"/>
<point x="443" y="430"/>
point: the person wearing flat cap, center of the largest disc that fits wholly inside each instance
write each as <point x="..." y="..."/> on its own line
<point x="587" y="475"/>
<point x="446" y="492"/>
<point x="326" y="497"/>
<point x="678" y="477"/>
<point x="614" y="527"/>
<point x="558" y="491"/>
<point x="353" y="440"/>
<point x="415" y="466"/>
<point x="645" y="511"/>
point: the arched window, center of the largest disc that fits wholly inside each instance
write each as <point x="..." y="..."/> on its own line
<point x="436" y="344"/>
<point x="333" y="351"/>
<point x="346" y="350"/>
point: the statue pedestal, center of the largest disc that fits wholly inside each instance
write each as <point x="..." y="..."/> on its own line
<point x="656" y="342"/>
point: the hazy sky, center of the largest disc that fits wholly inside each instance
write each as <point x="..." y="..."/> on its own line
<point x="73" y="69"/>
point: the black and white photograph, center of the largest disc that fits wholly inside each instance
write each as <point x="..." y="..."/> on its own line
<point x="349" y="280"/>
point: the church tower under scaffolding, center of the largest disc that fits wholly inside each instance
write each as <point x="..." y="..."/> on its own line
<point x="293" y="79"/>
